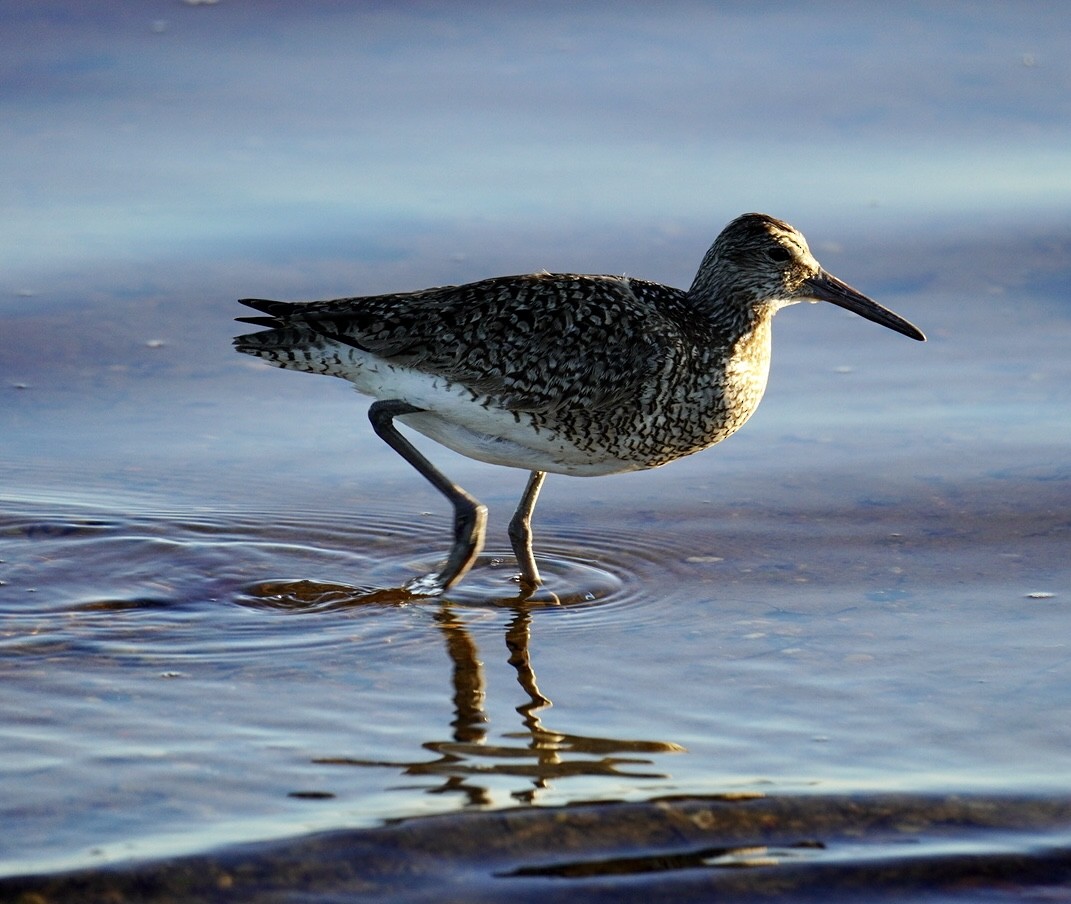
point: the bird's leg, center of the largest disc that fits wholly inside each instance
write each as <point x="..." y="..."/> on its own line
<point x="470" y="517"/>
<point x="520" y="531"/>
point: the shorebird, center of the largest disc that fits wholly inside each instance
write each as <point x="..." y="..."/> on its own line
<point x="562" y="373"/>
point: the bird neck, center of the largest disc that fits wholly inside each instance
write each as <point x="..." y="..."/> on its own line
<point x="730" y="309"/>
<point x="733" y="317"/>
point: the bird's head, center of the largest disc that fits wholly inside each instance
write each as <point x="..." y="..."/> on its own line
<point x="759" y="262"/>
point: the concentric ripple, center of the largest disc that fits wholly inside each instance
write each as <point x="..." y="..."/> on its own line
<point x="596" y="574"/>
<point x="492" y="580"/>
<point x="171" y="571"/>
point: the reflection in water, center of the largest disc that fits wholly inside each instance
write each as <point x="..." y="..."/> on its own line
<point x="540" y="755"/>
<point x="574" y="580"/>
<point x="313" y="596"/>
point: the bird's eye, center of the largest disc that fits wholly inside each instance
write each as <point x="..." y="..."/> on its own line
<point x="779" y="254"/>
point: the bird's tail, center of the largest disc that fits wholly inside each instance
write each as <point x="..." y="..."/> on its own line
<point x="287" y="342"/>
<point x="278" y="311"/>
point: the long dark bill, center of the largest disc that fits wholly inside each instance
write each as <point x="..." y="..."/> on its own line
<point x="826" y="287"/>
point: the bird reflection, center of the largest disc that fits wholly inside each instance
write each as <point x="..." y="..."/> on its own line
<point x="538" y="754"/>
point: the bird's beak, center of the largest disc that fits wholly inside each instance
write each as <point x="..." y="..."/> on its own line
<point x="824" y="287"/>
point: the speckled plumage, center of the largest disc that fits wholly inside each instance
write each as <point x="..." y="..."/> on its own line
<point x="567" y="373"/>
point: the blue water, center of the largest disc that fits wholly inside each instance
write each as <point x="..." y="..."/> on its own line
<point x="865" y="592"/>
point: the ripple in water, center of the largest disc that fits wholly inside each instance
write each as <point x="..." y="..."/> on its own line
<point x="161" y="577"/>
<point x="596" y="575"/>
<point x="492" y="581"/>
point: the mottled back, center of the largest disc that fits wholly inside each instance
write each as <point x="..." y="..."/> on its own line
<point x="512" y="339"/>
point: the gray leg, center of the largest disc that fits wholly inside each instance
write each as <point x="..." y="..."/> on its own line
<point x="520" y="531"/>
<point x="470" y="517"/>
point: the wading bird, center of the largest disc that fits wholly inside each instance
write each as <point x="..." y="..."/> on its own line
<point x="563" y="373"/>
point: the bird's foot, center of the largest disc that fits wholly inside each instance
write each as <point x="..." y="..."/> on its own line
<point x="425" y="585"/>
<point x="529" y="581"/>
<point x="469" y="525"/>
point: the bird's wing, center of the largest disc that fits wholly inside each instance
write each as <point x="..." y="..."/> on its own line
<point x="534" y="343"/>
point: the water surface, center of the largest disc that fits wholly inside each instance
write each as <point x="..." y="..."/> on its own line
<point x="844" y="631"/>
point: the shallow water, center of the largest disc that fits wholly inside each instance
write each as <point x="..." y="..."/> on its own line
<point x="851" y="616"/>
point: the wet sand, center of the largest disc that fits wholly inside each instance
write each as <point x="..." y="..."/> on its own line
<point x="747" y="847"/>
